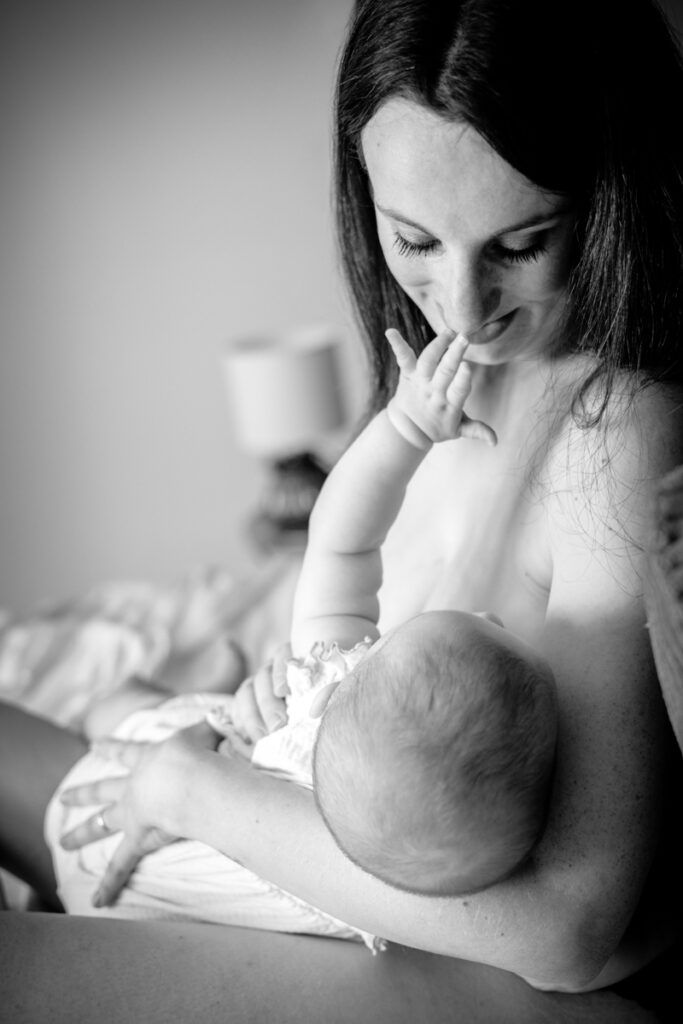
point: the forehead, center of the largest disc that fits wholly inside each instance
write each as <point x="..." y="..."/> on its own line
<point x="444" y="174"/>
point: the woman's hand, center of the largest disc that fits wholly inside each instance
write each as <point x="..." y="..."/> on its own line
<point x="258" y="707"/>
<point x="432" y="390"/>
<point x="141" y="804"/>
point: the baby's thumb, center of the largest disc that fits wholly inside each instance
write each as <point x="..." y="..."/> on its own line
<point x="478" y="431"/>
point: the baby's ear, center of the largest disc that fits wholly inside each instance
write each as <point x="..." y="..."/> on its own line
<point x="321" y="700"/>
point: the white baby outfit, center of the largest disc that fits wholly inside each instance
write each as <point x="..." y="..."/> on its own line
<point x="187" y="879"/>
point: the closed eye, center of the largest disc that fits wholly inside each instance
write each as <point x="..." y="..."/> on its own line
<point x="526" y="255"/>
<point x="406" y="248"/>
<point x="500" y="252"/>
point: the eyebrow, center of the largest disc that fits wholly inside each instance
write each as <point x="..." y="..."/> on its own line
<point x="530" y="222"/>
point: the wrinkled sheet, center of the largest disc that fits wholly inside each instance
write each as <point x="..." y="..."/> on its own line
<point x="60" y="659"/>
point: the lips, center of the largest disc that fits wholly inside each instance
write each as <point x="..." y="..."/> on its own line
<point x="492" y="330"/>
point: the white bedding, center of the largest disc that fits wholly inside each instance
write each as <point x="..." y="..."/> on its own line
<point x="58" y="660"/>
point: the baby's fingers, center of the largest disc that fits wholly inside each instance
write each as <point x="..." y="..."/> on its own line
<point x="459" y="384"/>
<point x="403" y="353"/>
<point x="431" y="361"/>
<point x="453" y="377"/>
<point x="272" y="707"/>
<point x="280" y="658"/>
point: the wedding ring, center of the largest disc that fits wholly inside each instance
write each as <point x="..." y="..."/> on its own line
<point x="102" y="825"/>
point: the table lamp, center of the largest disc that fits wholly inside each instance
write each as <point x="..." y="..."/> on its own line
<point x="285" y="394"/>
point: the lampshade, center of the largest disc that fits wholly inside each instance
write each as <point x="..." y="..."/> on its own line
<point x="284" y="389"/>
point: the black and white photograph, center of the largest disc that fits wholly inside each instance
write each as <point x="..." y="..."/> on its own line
<point x="341" y="512"/>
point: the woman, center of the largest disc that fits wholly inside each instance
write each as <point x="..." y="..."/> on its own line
<point x="509" y="174"/>
<point x="664" y="594"/>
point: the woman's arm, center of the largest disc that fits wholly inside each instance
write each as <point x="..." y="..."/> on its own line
<point x="557" y="921"/>
<point x="664" y="594"/>
<point x="527" y="925"/>
<point x="560" y="919"/>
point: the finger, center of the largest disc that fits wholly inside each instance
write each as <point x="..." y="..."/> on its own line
<point x="403" y="353"/>
<point x="478" y="431"/>
<point x="272" y="708"/>
<point x="125" y="752"/>
<point x="460" y="386"/>
<point x="233" y="744"/>
<point x="280" y="658"/>
<point x="450" y="364"/>
<point x="91" y="794"/>
<point x="246" y="714"/>
<point x="123" y="863"/>
<point x="431" y="356"/>
<point x="97" y="827"/>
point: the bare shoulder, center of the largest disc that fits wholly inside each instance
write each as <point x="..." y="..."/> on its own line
<point x="648" y="422"/>
<point x="605" y="818"/>
<point x="601" y="474"/>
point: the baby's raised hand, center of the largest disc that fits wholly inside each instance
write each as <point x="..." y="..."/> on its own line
<point x="432" y="389"/>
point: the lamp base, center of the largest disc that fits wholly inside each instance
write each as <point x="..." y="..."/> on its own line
<point x="281" y="519"/>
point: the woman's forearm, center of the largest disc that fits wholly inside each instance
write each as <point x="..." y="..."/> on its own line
<point x="274" y="829"/>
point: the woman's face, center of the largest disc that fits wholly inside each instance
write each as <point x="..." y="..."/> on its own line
<point x="474" y="244"/>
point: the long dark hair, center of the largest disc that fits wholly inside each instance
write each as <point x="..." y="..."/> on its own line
<point x="574" y="94"/>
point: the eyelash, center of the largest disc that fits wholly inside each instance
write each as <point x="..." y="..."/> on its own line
<point x="414" y="249"/>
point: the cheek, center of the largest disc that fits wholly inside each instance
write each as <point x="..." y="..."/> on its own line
<point x="408" y="274"/>
<point x="412" y="276"/>
<point x="553" y="271"/>
<point x="545" y="279"/>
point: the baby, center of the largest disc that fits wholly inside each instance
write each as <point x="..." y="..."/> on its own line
<point x="434" y="759"/>
<point x="430" y="749"/>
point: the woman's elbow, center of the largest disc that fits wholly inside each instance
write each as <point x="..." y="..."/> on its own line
<point x="575" y="953"/>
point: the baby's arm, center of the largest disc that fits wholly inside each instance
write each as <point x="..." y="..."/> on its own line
<point x="336" y="597"/>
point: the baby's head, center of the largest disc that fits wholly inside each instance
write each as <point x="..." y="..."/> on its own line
<point x="434" y="759"/>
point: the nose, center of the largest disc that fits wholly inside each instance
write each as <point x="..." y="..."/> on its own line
<point x="465" y="296"/>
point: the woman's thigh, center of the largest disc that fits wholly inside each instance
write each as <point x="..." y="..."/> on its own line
<point x="35" y="754"/>
<point x="63" y="969"/>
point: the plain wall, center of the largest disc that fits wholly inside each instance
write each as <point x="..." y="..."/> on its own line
<point x="164" y="187"/>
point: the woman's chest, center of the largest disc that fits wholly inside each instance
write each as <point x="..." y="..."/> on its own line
<point x="472" y="535"/>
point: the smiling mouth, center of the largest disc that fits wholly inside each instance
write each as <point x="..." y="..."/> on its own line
<point x="493" y="330"/>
